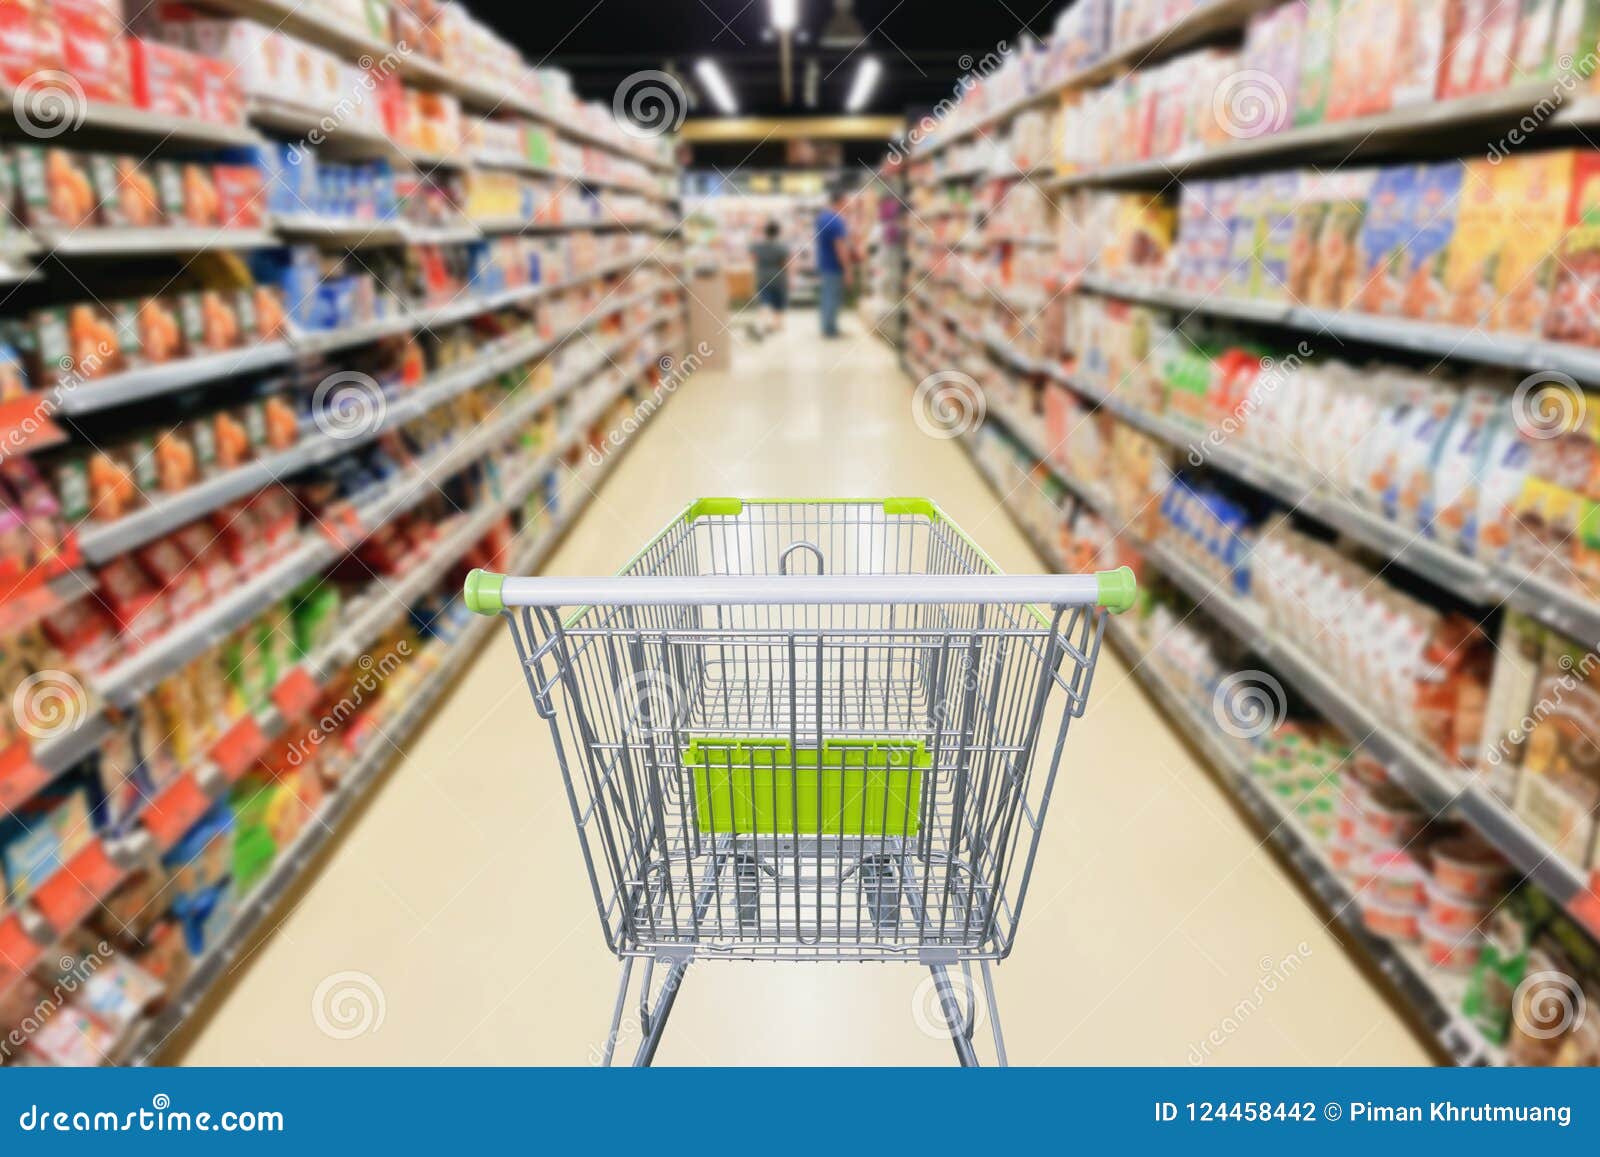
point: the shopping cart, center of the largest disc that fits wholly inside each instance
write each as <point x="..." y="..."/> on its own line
<point x="807" y="730"/>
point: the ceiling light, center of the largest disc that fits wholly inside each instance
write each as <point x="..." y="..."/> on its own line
<point x="861" y="88"/>
<point x="716" y="86"/>
<point x="785" y="14"/>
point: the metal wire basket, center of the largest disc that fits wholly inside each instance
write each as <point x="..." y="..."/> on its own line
<point x="849" y="763"/>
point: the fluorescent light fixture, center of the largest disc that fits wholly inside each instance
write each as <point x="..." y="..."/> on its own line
<point x="785" y="14"/>
<point x="861" y="88"/>
<point x="716" y="85"/>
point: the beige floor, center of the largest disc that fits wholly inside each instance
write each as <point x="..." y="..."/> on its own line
<point x="460" y="895"/>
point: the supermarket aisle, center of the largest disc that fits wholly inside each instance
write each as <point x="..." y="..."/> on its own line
<point x="1157" y="931"/>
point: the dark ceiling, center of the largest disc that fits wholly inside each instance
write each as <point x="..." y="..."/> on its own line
<point x="919" y="44"/>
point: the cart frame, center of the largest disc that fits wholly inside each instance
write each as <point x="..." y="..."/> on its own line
<point x="836" y="765"/>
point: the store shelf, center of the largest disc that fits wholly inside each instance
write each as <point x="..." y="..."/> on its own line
<point x="145" y="1044"/>
<point x="134" y="385"/>
<point x="1437" y="787"/>
<point x="1440" y="341"/>
<point x="307" y="23"/>
<point x="1434" y="995"/>
<point x="1344" y="139"/>
<point x="1205" y="21"/>
<point x="99" y="116"/>
<point x="112" y="242"/>
<point x="100" y="543"/>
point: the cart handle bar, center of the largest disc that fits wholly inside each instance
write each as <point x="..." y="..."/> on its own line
<point x="488" y="593"/>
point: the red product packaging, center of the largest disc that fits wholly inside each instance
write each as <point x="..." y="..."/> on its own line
<point x="240" y="194"/>
<point x="19" y="40"/>
<point x="133" y="600"/>
<point x="199" y="542"/>
<point x="167" y="566"/>
<point x="93" y="50"/>
<point x="277" y="517"/>
<point x="221" y="98"/>
<point x="165" y="79"/>
<point x="82" y="632"/>
<point x="240" y="534"/>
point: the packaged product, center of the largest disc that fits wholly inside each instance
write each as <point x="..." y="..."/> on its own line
<point x="1518" y="651"/>
<point x="1573" y="313"/>
<point x="43" y="832"/>
<point x="1430" y="223"/>
<point x="1534" y="192"/>
<point x="1559" y="788"/>
<point x="1419" y="50"/>
<point x="1475" y="247"/>
<point x="94" y="51"/>
<point x="1535" y="40"/>
<point x="1464" y="44"/>
<point x="1318" y="41"/>
<point x="1498" y="30"/>
<point x="1336" y="279"/>
<point x="165" y="79"/>
<point x="1449" y="500"/>
<point x="1386" y="239"/>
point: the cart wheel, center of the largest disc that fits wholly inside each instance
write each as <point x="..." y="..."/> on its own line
<point x="880" y="886"/>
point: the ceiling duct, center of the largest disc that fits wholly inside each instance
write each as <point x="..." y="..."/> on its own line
<point x="843" y="30"/>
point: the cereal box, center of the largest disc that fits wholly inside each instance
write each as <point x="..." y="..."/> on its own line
<point x="1470" y="275"/>
<point x="1336" y="278"/>
<point x="1534" y="40"/>
<point x="1315" y="78"/>
<point x="1574" y="310"/>
<point x="1534" y="191"/>
<point x="1419" y="51"/>
<point x="1430" y="223"/>
<point x="1385" y="239"/>
<point x="1280" y="197"/>
<point x="1499" y="32"/>
<point x="1463" y="45"/>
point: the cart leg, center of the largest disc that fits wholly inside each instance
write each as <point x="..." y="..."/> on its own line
<point x="652" y="1018"/>
<point x="961" y="1017"/>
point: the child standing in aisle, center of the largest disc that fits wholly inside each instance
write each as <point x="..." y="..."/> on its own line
<point x="771" y="258"/>
<point x="833" y="261"/>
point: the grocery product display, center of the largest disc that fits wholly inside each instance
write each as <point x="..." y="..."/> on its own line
<point x="326" y="313"/>
<point x="1203" y="296"/>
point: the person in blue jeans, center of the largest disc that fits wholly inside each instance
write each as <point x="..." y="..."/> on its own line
<point x="833" y="261"/>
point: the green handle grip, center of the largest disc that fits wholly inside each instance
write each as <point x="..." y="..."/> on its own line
<point x="1118" y="589"/>
<point x="481" y="592"/>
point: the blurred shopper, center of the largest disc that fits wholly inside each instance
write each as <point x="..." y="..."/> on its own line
<point x="833" y="261"/>
<point x="771" y="258"/>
